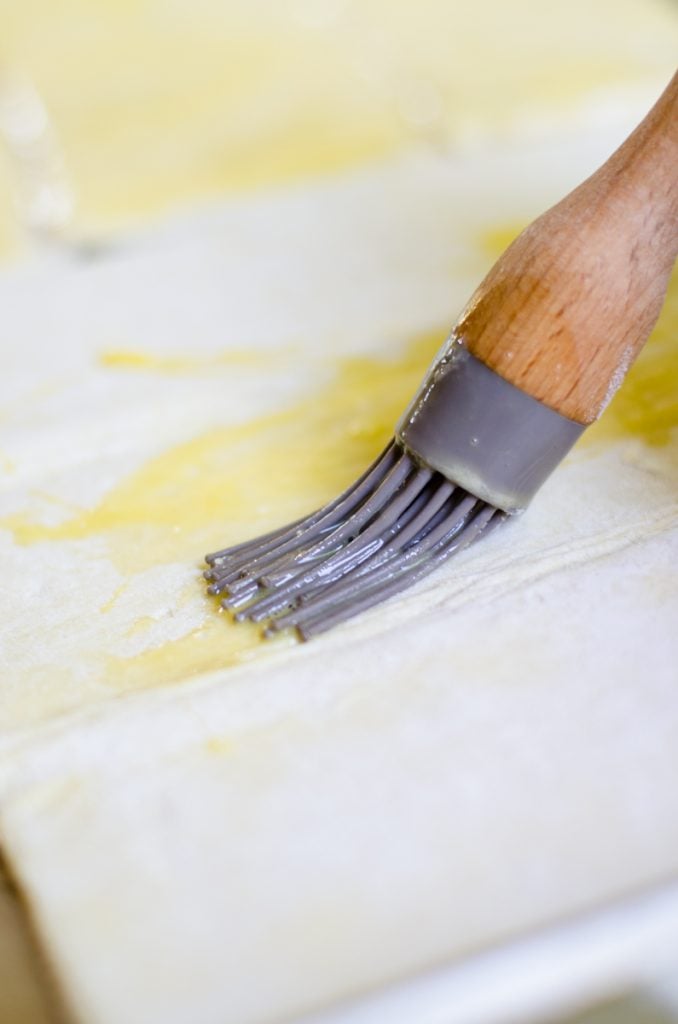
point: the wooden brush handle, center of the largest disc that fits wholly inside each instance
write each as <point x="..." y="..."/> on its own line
<point x="566" y="309"/>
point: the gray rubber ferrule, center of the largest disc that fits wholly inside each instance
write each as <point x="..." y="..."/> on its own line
<point x="483" y="433"/>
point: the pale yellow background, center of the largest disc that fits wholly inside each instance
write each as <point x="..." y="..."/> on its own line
<point x="158" y="103"/>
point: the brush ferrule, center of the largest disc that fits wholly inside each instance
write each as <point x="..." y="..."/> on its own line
<point x="482" y="433"/>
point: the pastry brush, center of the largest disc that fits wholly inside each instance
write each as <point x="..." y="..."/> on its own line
<point x="534" y="358"/>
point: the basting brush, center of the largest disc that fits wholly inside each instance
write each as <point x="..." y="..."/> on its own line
<point x="533" y="360"/>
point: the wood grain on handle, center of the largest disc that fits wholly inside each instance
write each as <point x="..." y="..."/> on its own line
<point x="567" y="308"/>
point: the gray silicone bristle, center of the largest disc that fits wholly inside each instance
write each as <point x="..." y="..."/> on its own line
<point x="396" y="524"/>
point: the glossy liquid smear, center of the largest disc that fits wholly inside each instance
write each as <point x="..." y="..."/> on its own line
<point x="228" y="485"/>
<point x="216" y="489"/>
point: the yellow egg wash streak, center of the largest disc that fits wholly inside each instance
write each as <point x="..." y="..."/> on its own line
<point x="222" y="486"/>
<point x="249" y="477"/>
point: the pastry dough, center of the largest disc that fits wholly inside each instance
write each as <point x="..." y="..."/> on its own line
<point x="216" y="831"/>
<point x="455" y="767"/>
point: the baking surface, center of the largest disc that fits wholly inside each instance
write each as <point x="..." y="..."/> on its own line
<point x="186" y="808"/>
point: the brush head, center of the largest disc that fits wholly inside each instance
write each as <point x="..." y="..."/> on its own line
<point x="469" y="449"/>
<point x="394" y="525"/>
